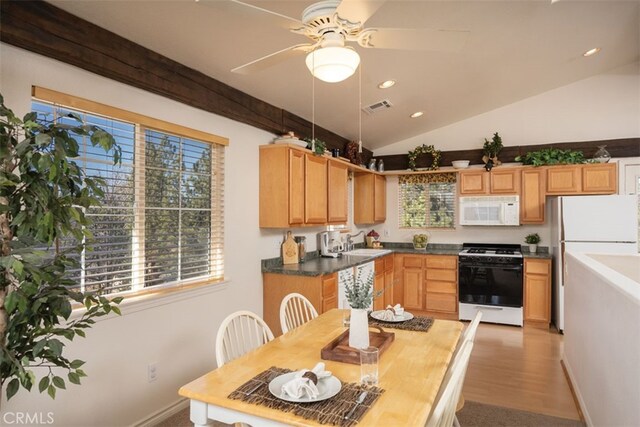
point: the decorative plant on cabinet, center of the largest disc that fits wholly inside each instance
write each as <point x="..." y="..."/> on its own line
<point x="43" y="196"/>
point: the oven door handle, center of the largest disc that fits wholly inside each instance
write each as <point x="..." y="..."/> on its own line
<point x="484" y="307"/>
<point x="518" y="268"/>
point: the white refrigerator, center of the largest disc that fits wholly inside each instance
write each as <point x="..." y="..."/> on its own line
<point x="592" y="224"/>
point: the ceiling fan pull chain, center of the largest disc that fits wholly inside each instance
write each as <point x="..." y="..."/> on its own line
<point x="313" y="108"/>
<point x="360" y="108"/>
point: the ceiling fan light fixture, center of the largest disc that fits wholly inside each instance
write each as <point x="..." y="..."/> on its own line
<point x="333" y="64"/>
<point x="386" y="84"/>
<point x="416" y="114"/>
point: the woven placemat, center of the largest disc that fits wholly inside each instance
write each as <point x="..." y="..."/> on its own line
<point x="330" y="411"/>
<point x="420" y="324"/>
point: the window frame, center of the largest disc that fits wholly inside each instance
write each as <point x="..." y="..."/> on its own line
<point x="141" y="124"/>
<point x="427" y="178"/>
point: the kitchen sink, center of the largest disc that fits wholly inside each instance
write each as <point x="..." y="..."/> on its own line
<point x="367" y="252"/>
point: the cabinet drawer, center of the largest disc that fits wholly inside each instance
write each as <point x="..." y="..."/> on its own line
<point x="443" y="287"/>
<point x="329" y="285"/>
<point x="444" y="275"/>
<point x="541" y="266"/>
<point x="442" y="302"/>
<point x="447" y="262"/>
<point x="412" y="261"/>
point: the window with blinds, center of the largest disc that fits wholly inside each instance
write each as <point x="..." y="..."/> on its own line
<point x="427" y="200"/>
<point x="162" y="216"/>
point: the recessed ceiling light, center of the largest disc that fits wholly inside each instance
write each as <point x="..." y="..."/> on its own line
<point x="386" y="84"/>
<point x="591" y="52"/>
<point x="416" y="114"/>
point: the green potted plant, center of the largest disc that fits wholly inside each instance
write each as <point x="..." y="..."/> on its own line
<point x="360" y="296"/>
<point x="532" y="239"/>
<point x="491" y="149"/>
<point x="43" y="198"/>
<point x="552" y="156"/>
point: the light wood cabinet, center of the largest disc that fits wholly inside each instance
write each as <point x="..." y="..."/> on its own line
<point x="294" y="188"/>
<point x="338" y="176"/>
<point x="321" y="291"/>
<point x="383" y="282"/>
<point x="498" y="181"/>
<point x="473" y="182"/>
<point x="429" y="284"/>
<point x="315" y="189"/>
<point x="532" y="198"/>
<point x="369" y="200"/>
<point x="563" y="180"/>
<point x="537" y="292"/>
<point x="600" y="178"/>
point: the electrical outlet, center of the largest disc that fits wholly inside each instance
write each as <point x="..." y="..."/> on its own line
<point x="152" y="372"/>
<point x="386" y="233"/>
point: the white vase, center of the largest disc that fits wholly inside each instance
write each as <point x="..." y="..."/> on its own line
<point x="533" y="248"/>
<point x="359" y="329"/>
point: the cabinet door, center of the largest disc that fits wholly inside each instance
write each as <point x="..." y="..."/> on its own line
<point x="505" y="181"/>
<point x="412" y="282"/>
<point x="473" y="182"/>
<point x="296" y="187"/>
<point x="329" y="292"/>
<point x="315" y="189"/>
<point x="532" y="200"/>
<point x="537" y="290"/>
<point x="363" y="190"/>
<point x="380" y="198"/>
<point x="337" y="196"/>
<point x="388" y="288"/>
<point x="378" y="287"/>
<point x="601" y="179"/>
<point x="563" y="180"/>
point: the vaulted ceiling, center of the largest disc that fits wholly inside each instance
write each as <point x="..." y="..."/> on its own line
<point x="513" y="49"/>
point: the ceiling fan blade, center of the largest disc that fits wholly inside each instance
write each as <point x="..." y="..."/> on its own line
<point x="359" y="10"/>
<point x="295" y="21"/>
<point x="414" y="39"/>
<point x="273" y="59"/>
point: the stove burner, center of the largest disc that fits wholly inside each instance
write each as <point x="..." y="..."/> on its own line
<point x="477" y="251"/>
<point x="504" y="252"/>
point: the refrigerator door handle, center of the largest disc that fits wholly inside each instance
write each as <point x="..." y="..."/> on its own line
<point x="563" y="264"/>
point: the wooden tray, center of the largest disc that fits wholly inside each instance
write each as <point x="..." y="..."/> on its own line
<point x="339" y="349"/>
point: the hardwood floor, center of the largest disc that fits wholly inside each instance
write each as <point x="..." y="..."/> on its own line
<point x="519" y="368"/>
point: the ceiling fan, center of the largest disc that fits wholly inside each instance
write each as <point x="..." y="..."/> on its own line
<point x="330" y="24"/>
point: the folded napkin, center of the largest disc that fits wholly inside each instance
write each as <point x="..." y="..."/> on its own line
<point x="391" y="312"/>
<point x="304" y="382"/>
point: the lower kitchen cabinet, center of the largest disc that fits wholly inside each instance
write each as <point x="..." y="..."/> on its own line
<point x="537" y="292"/>
<point x="383" y="282"/>
<point x="321" y="291"/>
<point x="429" y="284"/>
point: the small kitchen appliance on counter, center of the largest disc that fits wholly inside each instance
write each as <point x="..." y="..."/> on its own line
<point x="330" y="244"/>
<point x="490" y="280"/>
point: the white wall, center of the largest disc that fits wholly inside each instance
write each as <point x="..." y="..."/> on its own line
<point x="602" y="338"/>
<point x="606" y="106"/>
<point x="178" y="335"/>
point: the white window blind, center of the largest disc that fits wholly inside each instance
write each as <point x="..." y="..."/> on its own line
<point x="427" y="200"/>
<point x="161" y="219"/>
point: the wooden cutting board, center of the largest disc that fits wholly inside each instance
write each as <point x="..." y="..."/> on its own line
<point x="289" y="250"/>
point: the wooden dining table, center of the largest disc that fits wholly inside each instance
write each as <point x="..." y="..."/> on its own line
<point x="411" y="371"/>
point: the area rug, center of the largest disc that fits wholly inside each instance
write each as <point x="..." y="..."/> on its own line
<point x="473" y="414"/>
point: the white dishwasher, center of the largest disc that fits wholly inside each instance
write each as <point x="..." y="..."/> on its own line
<point x="347" y="276"/>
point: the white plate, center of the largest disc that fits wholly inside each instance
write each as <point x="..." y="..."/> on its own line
<point x="294" y="141"/>
<point x="327" y="387"/>
<point x="378" y="315"/>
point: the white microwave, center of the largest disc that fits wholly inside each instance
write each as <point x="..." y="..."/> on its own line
<point x="490" y="210"/>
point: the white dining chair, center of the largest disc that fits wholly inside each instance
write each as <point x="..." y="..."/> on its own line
<point x="444" y="410"/>
<point x="470" y="333"/>
<point x="240" y="333"/>
<point x="295" y="310"/>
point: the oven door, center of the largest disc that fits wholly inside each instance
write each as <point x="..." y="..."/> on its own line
<point x="490" y="284"/>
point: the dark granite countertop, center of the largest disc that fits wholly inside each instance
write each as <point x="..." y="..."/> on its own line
<point x="315" y="265"/>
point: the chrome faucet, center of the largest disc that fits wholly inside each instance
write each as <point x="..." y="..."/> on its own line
<point x="350" y="243"/>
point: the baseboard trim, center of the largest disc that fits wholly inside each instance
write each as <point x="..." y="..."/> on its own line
<point x="163" y="414"/>
<point x="575" y="392"/>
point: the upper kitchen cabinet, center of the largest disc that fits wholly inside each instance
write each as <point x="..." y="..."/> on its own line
<point x="293" y="187"/>
<point x="370" y="203"/>
<point x="582" y="179"/>
<point x="532" y="198"/>
<point x="498" y="181"/>
<point x="337" y="202"/>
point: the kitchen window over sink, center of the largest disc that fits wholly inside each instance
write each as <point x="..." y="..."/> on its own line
<point x="161" y="221"/>
<point x="427" y="200"/>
